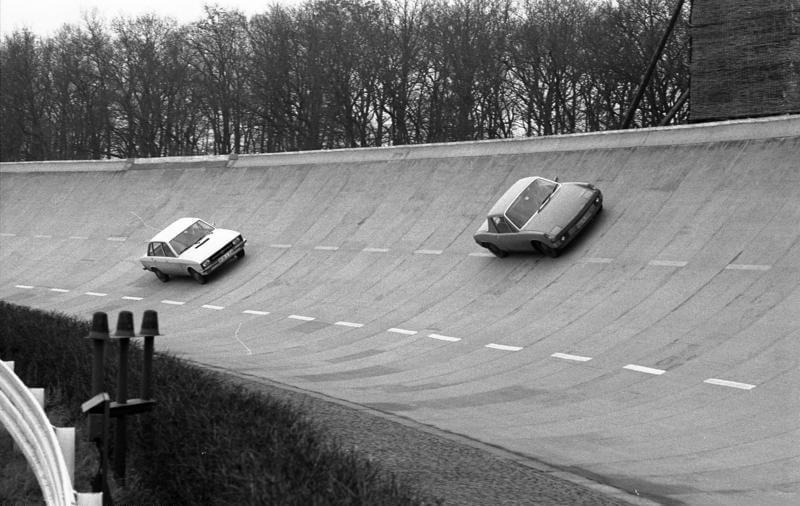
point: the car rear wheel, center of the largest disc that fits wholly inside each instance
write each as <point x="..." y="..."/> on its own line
<point x="161" y="276"/>
<point x="544" y="249"/>
<point x="197" y="276"/>
<point x="496" y="251"/>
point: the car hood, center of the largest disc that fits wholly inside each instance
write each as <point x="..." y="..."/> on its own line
<point x="564" y="205"/>
<point x="209" y="245"/>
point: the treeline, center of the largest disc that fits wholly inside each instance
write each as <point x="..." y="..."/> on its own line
<point x="335" y="73"/>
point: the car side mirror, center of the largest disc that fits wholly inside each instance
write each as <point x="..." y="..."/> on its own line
<point x="556" y="179"/>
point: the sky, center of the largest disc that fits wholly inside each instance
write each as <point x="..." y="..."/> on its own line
<point x="45" y="17"/>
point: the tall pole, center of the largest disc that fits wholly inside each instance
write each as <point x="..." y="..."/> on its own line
<point x="652" y="67"/>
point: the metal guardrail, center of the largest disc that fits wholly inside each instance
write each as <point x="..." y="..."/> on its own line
<point x="23" y="416"/>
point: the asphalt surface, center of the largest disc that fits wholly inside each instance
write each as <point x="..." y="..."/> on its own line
<point x="658" y="355"/>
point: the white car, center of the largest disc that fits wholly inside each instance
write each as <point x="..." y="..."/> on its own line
<point x="191" y="247"/>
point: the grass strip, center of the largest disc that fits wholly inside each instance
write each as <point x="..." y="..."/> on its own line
<point x="208" y="441"/>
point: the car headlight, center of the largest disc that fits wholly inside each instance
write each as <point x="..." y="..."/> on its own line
<point x="553" y="234"/>
<point x="237" y="240"/>
<point x="206" y="263"/>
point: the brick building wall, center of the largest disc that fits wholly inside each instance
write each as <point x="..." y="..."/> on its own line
<point x="745" y="58"/>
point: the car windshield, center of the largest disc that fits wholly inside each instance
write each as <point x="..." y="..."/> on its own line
<point x="190" y="236"/>
<point x="529" y="201"/>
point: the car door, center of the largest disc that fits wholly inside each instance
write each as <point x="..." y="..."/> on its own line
<point x="164" y="258"/>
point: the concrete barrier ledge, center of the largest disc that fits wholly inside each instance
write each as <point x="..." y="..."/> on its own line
<point x="66" y="166"/>
<point x="726" y="131"/>
<point x="723" y="131"/>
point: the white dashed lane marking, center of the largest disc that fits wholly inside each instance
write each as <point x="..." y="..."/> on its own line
<point x="78" y="237"/>
<point x="748" y="267"/>
<point x="130" y="297"/>
<point x="481" y="254"/>
<point x="503" y="347"/>
<point x="402" y="331"/>
<point x="445" y="338"/>
<point x="43" y="236"/>
<point x="667" y="263"/>
<point x="349" y="324"/>
<point x="255" y="312"/>
<point x="173" y="302"/>
<point x="598" y="260"/>
<point x="301" y="317"/>
<point x="428" y="252"/>
<point x="97" y="294"/>
<point x="24" y="287"/>
<point x="211" y="306"/>
<point x="567" y="356"/>
<point x="326" y="248"/>
<point x="646" y="370"/>
<point x="59" y="290"/>
<point x="280" y="246"/>
<point x="375" y="250"/>
<point x="117" y="239"/>
<point x="7" y="234"/>
<point x="732" y="384"/>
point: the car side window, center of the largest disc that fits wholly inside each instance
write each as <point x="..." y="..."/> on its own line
<point x="501" y="225"/>
<point x="158" y="249"/>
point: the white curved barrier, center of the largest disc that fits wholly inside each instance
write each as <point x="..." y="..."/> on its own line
<point x="23" y="416"/>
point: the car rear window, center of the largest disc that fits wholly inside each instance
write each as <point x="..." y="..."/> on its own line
<point x="529" y="200"/>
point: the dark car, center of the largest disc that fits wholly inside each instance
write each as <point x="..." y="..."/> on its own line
<point x="537" y="214"/>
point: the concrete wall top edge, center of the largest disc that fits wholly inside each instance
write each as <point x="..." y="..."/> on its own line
<point x="698" y="133"/>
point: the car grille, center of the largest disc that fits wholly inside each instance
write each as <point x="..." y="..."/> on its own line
<point x="216" y="256"/>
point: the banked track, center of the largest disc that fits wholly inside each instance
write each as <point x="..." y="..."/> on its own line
<point x="659" y="354"/>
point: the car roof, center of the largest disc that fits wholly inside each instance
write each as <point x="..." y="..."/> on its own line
<point x="500" y="207"/>
<point x="173" y="229"/>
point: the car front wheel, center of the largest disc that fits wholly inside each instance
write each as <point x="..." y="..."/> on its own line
<point x="161" y="276"/>
<point x="240" y="254"/>
<point x="197" y="276"/>
<point x="496" y="251"/>
<point x="546" y="250"/>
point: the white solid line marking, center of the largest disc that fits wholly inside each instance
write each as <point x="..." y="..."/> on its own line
<point x="25" y="287"/>
<point x="211" y="306"/>
<point x="481" y="254"/>
<point x="428" y="252"/>
<point x="7" y="234"/>
<point x="173" y="302"/>
<point x="350" y="324"/>
<point x="300" y="317"/>
<point x="748" y="267"/>
<point x="567" y="356"/>
<point x="449" y="339"/>
<point x="732" y="384"/>
<point x="130" y="297"/>
<point x="326" y="248"/>
<point x="43" y="236"/>
<point x="647" y="370"/>
<point x="281" y="246"/>
<point x="598" y="260"/>
<point x="78" y="237"/>
<point x="402" y="331"/>
<point x="96" y="294"/>
<point x="59" y="290"/>
<point x="376" y="250"/>
<point x="254" y="312"/>
<point x="503" y="347"/>
<point x="668" y="263"/>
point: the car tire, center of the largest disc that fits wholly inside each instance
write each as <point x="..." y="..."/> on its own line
<point x="240" y="255"/>
<point x="161" y="276"/>
<point x="496" y="251"/>
<point x="544" y="249"/>
<point x="197" y="276"/>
